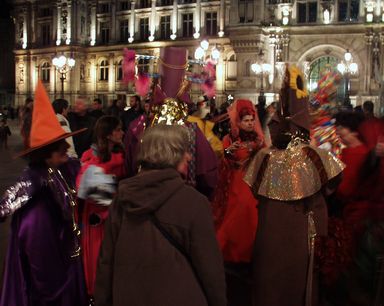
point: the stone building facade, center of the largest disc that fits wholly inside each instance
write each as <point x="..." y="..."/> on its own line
<point x="314" y="34"/>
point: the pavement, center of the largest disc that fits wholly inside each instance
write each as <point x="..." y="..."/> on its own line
<point x="10" y="169"/>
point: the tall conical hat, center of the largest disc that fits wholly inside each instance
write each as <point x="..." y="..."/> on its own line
<point x="45" y="128"/>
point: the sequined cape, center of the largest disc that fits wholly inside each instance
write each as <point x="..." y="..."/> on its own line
<point x="307" y="167"/>
<point x="39" y="270"/>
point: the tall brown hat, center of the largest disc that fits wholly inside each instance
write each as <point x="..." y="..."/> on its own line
<point x="292" y="116"/>
<point x="45" y="128"/>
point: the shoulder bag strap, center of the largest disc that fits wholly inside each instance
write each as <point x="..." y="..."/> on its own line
<point x="178" y="246"/>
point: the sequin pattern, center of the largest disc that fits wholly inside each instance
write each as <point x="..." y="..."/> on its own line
<point x="290" y="174"/>
<point x="15" y="197"/>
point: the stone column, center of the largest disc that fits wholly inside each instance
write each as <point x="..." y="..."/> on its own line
<point x="368" y="61"/>
<point x="69" y="24"/>
<point x="111" y="76"/>
<point x="113" y="22"/>
<point x="25" y="28"/>
<point x="33" y="23"/>
<point x="222" y="18"/>
<point x="285" y="41"/>
<point x="152" y="21"/>
<point x="58" y="39"/>
<point x="174" y="20"/>
<point x="197" y="19"/>
<point x="132" y="23"/>
<point x="93" y="24"/>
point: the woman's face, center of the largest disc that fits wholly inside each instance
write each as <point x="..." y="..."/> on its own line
<point x="59" y="156"/>
<point x="182" y="167"/>
<point x="247" y="123"/>
<point x="116" y="136"/>
<point x="345" y="134"/>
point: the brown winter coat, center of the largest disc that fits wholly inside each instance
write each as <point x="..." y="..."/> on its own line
<point x="138" y="266"/>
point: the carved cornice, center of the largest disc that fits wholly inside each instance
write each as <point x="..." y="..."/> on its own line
<point x="246" y="45"/>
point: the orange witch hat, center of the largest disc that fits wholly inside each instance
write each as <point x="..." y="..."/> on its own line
<point x="45" y="128"/>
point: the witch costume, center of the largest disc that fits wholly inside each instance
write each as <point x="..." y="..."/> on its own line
<point x="43" y="266"/>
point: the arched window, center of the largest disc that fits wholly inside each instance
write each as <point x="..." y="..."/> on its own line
<point x="119" y="74"/>
<point x="104" y="69"/>
<point x="143" y="65"/>
<point x="317" y="70"/>
<point x="45" y="72"/>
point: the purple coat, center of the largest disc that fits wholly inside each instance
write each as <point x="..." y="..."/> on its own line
<point x="39" y="270"/>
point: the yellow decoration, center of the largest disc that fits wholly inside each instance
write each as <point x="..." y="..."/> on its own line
<point x="171" y="112"/>
<point x="296" y="82"/>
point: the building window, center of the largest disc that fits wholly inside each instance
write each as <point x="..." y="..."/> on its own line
<point x="166" y="2"/>
<point x="45" y="12"/>
<point x="211" y="23"/>
<point x="124" y="30"/>
<point x="246" y="11"/>
<point x="45" y="34"/>
<point x="143" y="65"/>
<point x="45" y="72"/>
<point x="348" y="10"/>
<point x="104" y="69"/>
<point x="144" y="28"/>
<point x="145" y="3"/>
<point x="82" y="25"/>
<point x="187" y="25"/>
<point x="307" y="12"/>
<point x="119" y="72"/>
<point x="187" y="1"/>
<point x="124" y="5"/>
<point x="103" y="8"/>
<point x="165" y="27"/>
<point x="104" y="32"/>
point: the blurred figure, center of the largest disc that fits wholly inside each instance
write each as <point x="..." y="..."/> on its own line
<point x="368" y="109"/>
<point x="4" y="133"/>
<point x="270" y="112"/>
<point x="234" y="206"/>
<point x="60" y="106"/>
<point x="159" y="246"/>
<point x="26" y="120"/>
<point x="132" y="113"/>
<point x="97" y="109"/>
<point x="102" y="168"/>
<point x="79" y="118"/>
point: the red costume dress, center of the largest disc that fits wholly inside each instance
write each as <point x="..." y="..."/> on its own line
<point x="234" y="206"/>
<point x="96" y="183"/>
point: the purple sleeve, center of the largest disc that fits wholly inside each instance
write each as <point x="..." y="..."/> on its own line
<point x="206" y="166"/>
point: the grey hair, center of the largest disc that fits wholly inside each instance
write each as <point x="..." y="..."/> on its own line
<point x="163" y="146"/>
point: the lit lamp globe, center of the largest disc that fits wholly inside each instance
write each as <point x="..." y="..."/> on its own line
<point x="256" y="68"/>
<point x="204" y="44"/>
<point x="353" y="67"/>
<point x="215" y="54"/>
<point x="71" y="62"/>
<point x="341" y="68"/>
<point x="199" y="53"/>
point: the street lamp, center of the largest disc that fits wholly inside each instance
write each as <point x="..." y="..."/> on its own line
<point x="346" y="68"/>
<point x="63" y="65"/>
<point x="261" y="69"/>
<point x="200" y="52"/>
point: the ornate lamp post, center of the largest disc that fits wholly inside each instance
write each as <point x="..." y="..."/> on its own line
<point x="200" y="52"/>
<point x="346" y="68"/>
<point x="262" y="69"/>
<point x="63" y="65"/>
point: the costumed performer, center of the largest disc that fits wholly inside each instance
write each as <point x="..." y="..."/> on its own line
<point x="43" y="264"/>
<point x="169" y="105"/>
<point x="103" y="166"/>
<point x="288" y="180"/>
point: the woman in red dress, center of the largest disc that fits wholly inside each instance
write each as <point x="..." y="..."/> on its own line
<point x="235" y="208"/>
<point x="102" y="168"/>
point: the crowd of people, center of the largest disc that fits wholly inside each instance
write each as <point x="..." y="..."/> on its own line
<point x="182" y="204"/>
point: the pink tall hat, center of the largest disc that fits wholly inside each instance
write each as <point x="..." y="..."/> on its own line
<point x="173" y="64"/>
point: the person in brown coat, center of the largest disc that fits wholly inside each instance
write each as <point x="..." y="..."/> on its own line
<point x="159" y="246"/>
